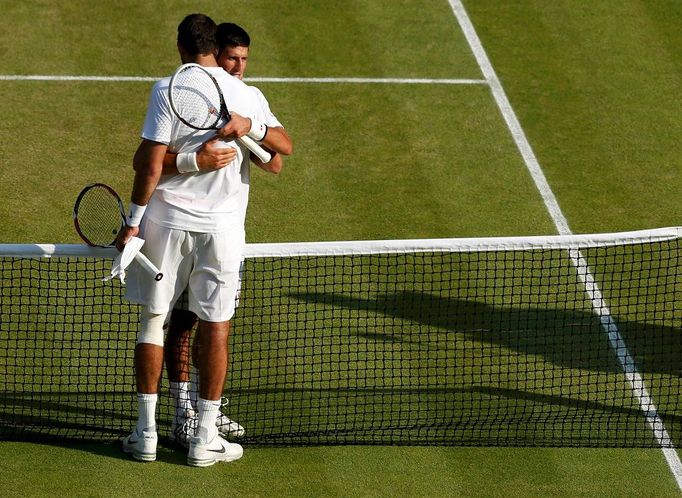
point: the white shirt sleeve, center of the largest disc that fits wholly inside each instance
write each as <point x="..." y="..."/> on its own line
<point x="269" y="118"/>
<point x="158" y="123"/>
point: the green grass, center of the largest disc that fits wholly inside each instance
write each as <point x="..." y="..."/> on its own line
<point x="98" y="470"/>
<point x="594" y="84"/>
<point x="435" y="355"/>
<point x="595" y="87"/>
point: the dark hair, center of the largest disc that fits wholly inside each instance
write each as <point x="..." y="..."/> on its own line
<point x="232" y="35"/>
<point x="197" y="34"/>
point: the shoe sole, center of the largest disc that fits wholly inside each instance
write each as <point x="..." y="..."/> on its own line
<point x="144" y="457"/>
<point x="198" y="462"/>
<point x="139" y="456"/>
<point x="207" y="462"/>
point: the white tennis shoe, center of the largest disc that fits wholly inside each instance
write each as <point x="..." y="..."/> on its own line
<point x="204" y="454"/>
<point x="226" y="426"/>
<point x="183" y="427"/>
<point x="141" y="446"/>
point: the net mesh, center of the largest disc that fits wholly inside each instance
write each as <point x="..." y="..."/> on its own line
<point x="514" y="347"/>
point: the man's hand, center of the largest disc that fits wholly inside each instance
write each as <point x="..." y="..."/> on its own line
<point x="236" y="127"/>
<point x="212" y="155"/>
<point x="125" y="235"/>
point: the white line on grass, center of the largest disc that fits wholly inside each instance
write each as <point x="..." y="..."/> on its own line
<point x="616" y="341"/>
<point x="391" y="81"/>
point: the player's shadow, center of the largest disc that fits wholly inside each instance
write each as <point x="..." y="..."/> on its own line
<point x="108" y="448"/>
<point x="64" y="422"/>
<point x="567" y="338"/>
<point x="418" y="324"/>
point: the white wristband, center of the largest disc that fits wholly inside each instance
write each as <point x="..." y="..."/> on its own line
<point x="258" y="130"/>
<point x="135" y="214"/>
<point x="186" y="162"/>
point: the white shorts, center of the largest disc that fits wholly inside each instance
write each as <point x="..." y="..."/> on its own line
<point x="182" y="304"/>
<point x="207" y="264"/>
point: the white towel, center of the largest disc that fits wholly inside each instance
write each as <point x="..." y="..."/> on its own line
<point x="124" y="258"/>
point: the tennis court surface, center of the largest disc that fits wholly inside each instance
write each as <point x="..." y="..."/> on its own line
<point x="457" y="148"/>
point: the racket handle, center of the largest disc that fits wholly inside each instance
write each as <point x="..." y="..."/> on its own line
<point x="148" y="266"/>
<point x="259" y="151"/>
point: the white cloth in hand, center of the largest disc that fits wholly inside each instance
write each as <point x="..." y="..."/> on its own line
<point x="124" y="258"/>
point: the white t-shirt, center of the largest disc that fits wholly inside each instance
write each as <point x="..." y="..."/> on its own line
<point x="271" y="121"/>
<point x="202" y="201"/>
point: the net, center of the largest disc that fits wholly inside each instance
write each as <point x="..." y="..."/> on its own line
<point x="539" y="341"/>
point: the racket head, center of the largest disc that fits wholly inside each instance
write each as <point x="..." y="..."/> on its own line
<point x="196" y="99"/>
<point x="98" y="215"/>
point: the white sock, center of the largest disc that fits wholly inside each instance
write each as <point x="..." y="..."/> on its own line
<point x="208" y="413"/>
<point x="146" y="418"/>
<point x="193" y="387"/>
<point x="180" y="394"/>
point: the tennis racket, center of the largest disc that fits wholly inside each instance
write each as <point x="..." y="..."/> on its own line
<point x="98" y="216"/>
<point x="197" y="101"/>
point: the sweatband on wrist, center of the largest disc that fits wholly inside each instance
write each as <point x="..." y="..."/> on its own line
<point x="186" y="162"/>
<point x="135" y="213"/>
<point x="258" y="130"/>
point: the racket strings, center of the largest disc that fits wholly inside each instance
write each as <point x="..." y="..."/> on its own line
<point x="196" y="99"/>
<point x="99" y="216"/>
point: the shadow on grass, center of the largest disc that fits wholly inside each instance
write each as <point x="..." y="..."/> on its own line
<point x="567" y="338"/>
<point x="277" y="405"/>
<point x="167" y="452"/>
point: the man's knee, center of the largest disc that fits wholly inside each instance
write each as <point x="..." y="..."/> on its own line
<point x="151" y="328"/>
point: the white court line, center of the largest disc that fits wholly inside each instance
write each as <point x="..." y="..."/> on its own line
<point x="391" y="81"/>
<point x="47" y="77"/>
<point x="491" y="79"/>
<point x="616" y="341"/>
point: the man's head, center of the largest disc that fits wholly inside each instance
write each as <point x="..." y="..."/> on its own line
<point x="197" y="36"/>
<point x="233" y="48"/>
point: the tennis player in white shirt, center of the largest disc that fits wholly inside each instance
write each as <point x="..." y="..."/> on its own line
<point x="234" y="43"/>
<point x="193" y="227"/>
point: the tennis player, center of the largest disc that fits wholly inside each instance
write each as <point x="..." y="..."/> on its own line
<point x="194" y="232"/>
<point x="233" y="43"/>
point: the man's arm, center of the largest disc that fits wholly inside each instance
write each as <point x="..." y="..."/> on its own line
<point x="276" y="139"/>
<point x="209" y="157"/>
<point x="148" y="164"/>
<point x="273" y="166"/>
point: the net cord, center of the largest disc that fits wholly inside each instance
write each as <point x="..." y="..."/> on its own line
<point x="341" y="248"/>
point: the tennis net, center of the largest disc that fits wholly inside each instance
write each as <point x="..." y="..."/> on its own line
<point x="534" y="341"/>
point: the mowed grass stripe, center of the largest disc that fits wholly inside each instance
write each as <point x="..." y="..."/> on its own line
<point x="490" y="473"/>
<point x="364" y="167"/>
<point x="262" y="79"/>
<point x="600" y="306"/>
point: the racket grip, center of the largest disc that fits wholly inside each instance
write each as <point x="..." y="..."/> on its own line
<point x="148" y="266"/>
<point x="259" y="151"/>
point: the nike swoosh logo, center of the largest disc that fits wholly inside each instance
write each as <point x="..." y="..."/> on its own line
<point x="221" y="450"/>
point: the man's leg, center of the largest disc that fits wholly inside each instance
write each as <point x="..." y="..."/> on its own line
<point x="213" y="351"/>
<point x="177" y="350"/>
<point x="177" y="355"/>
<point x="207" y="447"/>
<point x="148" y="368"/>
<point x="213" y="354"/>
